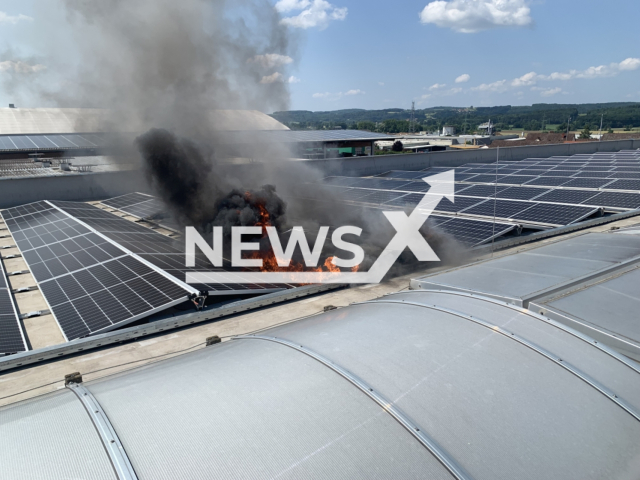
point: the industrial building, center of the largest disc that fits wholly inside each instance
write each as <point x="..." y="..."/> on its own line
<point x="519" y="360"/>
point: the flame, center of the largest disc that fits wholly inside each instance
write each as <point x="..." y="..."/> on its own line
<point x="269" y="260"/>
<point x="355" y="268"/>
<point x="330" y="266"/>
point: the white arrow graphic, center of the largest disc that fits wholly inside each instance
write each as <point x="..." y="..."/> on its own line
<point x="407" y="235"/>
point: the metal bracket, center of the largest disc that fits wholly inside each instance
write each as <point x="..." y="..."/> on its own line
<point x="25" y="289"/>
<point x="117" y="454"/>
<point x="199" y="299"/>
<point x="15" y="255"/>
<point x="18" y="272"/>
<point x="75" y="377"/>
<point x="4" y="247"/>
<point x="37" y="313"/>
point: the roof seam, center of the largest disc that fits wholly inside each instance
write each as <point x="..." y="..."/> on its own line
<point x="555" y="359"/>
<point x="438" y="452"/>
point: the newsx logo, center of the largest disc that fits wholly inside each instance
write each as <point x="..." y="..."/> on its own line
<point x="283" y="256"/>
<point x="407" y="235"/>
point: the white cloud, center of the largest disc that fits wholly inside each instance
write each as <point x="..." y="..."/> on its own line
<point x="525" y="80"/>
<point x="610" y="70"/>
<point x="284" y="6"/>
<point x="293" y="79"/>
<point x="469" y="16"/>
<point x="315" y="13"/>
<point x="629" y="64"/>
<point x="338" y="95"/>
<point x="453" y="91"/>
<point x="381" y="84"/>
<point x="498" y="86"/>
<point x="550" y="92"/>
<point x="271" y="60"/>
<point x="274" y="77"/>
<point x="465" y="77"/>
<point x="437" y="86"/>
<point x="18" y="66"/>
<point x="13" y="19"/>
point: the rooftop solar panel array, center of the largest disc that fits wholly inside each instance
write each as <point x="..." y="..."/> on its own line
<point x="52" y="142"/>
<point x="12" y="338"/>
<point x="159" y="250"/>
<point x="575" y="188"/>
<point x="138" y="205"/>
<point x="91" y="284"/>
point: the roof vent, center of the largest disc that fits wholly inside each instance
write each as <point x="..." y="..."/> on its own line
<point x="12" y="105"/>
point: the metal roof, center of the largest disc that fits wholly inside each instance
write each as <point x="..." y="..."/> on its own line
<point x="17" y="121"/>
<point x="589" y="282"/>
<point x="420" y="384"/>
<point x="304" y="136"/>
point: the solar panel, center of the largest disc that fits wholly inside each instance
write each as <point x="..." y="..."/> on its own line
<point x="407" y="200"/>
<point x="484" y="191"/>
<point x="342" y="181"/>
<point x="12" y="338"/>
<point x="126" y="200"/>
<point x="460" y="203"/>
<point x="403" y="174"/>
<point x="562" y="195"/>
<point x="468" y="231"/>
<point x="503" y="208"/>
<point x="632" y="175"/>
<point x="515" y="179"/>
<point x="150" y="246"/>
<point x="60" y="265"/>
<point x="379" y="196"/>
<point x="559" y="173"/>
<point x="583" y="174"/>
<point x="587" y="183"/>
<point x="521" y="193"/>
<point x="615" y="200"/>
<point x="415" y="187"/>
<point x="486" y="178"/>
<point x="547" y="181"/>
<point x="555" y="214"/>
<point x="380" y="183"/>
<point x="624" y="185"/>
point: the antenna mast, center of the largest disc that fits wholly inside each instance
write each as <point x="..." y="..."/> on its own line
<point x="412" y="121"/>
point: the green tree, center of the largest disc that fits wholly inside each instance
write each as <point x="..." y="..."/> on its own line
<point x="366" y="125"/>
<point x="586" y="133"/>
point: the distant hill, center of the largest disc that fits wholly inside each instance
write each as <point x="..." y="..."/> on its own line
<point x="392" y="120"/>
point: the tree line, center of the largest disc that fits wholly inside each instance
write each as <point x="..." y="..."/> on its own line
<point x="466" y="120"/>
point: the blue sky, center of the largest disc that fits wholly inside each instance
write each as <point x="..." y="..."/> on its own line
<point x="373" y="54"/>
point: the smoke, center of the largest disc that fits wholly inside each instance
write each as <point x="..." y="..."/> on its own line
<point x="171" y="64"/>
<point x="171" y="68"/>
